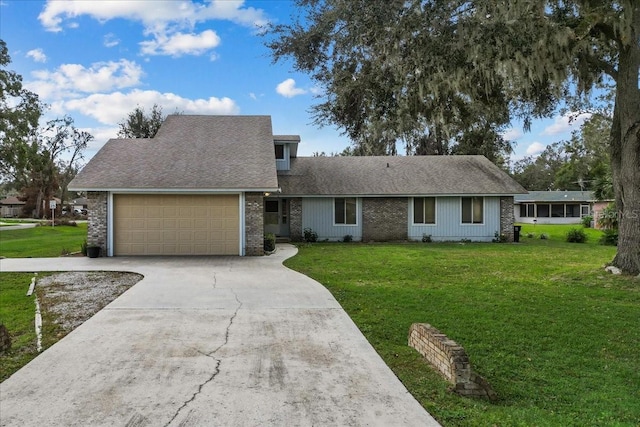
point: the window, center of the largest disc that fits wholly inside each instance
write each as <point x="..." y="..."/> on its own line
<point x="280" y="152"/>
<point x="472" y="210"/>
<point x="527" y="210"/>
<point x="345" y="210"/>
<point x="424" y="210"/>
<point x="572" y="211"/>
<point x="271" y="212"/>
<point x="543" y="211"/>
<point x="557" y="211"/>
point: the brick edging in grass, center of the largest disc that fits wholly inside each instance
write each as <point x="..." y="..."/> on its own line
<point x="450" y="359"/>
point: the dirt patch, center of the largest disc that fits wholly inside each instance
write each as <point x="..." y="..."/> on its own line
<point x="73" y="297"/>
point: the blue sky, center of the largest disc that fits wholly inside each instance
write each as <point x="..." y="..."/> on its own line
<point x="98" y="60"/>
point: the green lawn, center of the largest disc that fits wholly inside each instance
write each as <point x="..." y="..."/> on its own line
<point x="44" y="241"/>
<point x="556" y="336"/>
<point x="556" y="232"/>
<point x="17" y="313"/>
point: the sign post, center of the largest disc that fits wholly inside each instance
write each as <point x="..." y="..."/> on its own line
<point x="52" y="206"/>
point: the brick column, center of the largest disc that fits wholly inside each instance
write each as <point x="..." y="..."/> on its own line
<point x="295" y="219"/>
<point x="254" y="224"/>
<point x="97" y="216"/>
<point x="385" y="218"/>
<point x="507" y="217"/>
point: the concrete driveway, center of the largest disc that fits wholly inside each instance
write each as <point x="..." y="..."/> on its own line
<point x="210" y="341"/>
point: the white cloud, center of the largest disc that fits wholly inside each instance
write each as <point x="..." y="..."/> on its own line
<point x="111" y="108"/>
<point x="110" y="40"/>
<point x="165" y="21"/>
<point x="565" y="123"/>
<point x="535" y="148"/>
<point x="512" y="134"/>
<point x="37" y="55"/>
<point x="69" y="79"/>
<point x="179" y="44"/>
<point x="152" y="12"/>
<point x="288" y="89"/>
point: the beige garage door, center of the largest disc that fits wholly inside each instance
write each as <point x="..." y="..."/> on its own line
<point x="176" y="225"/>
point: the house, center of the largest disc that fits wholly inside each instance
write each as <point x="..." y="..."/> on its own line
<point x="554" y="207"/>
<point x="11" y="207"/>
<point x="214" y="185"/>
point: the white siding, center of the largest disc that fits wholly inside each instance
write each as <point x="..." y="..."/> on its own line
<point x="284" y="164"/>
<point x="449" y="227"/>
<point x="317" y="214"/>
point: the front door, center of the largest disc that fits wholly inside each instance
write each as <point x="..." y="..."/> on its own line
<point x="276" y="216"/>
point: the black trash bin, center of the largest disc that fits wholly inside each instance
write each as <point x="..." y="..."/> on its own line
<point x="516" y="233"/>
<point x="93" y="251"/>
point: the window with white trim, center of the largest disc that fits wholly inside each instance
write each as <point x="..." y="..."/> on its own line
<point x="472" y="210"/>
<point x="345" y="210"/>
<point x="424" y="210"/>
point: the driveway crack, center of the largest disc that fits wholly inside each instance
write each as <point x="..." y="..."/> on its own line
<point x="210" y="354"/>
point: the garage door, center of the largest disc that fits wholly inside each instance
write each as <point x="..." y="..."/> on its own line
<point x="176" y="224"/>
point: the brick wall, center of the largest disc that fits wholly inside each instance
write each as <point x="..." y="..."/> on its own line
<point x="384" y="218"/>
<point x="97" y="220"/>
<point x="450" y="359"/>
<point x="507" y="217"/>
<point x="295" y="219"/>
<point x="254" y="224"/>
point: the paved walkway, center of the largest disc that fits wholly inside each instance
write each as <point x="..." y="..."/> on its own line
<point x="17" y="226"/>
<point x="208" y="341"/>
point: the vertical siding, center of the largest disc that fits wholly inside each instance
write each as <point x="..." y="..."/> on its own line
<point x="449" y="227"/>
<point x="317" y="214"/>
<point x="284" y="164"/>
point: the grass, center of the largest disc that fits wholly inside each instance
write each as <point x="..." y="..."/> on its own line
<point x="556" y="336"/>
<point x="42" y="241"/>
<point x="17" y="313"/>
<point x="557" y="232"/>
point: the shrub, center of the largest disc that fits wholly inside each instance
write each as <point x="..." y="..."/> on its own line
<point x="310" y="236"/>
<point x="586" y="221"/>
<point x="576" y="235"/>
<point x="530" y="235"/>
<point x="347" y="238"/>
<point x="609" y="237"/>
<point x="500" y="238"/>
<point x="544" y="236"/>
<point x="426" y="238"/>
<point x="608" y="218"/>
<point x="269" y="242"/>
<point x="83" y="247"/>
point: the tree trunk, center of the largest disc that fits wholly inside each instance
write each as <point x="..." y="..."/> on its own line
<point x="625" y="159"/>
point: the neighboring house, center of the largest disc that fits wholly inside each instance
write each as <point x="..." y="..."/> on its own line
<point x="554" y="207"/>
<point x="11" y="207"/>
<point x="80" y="204"/>
<point x="214" y="185"/>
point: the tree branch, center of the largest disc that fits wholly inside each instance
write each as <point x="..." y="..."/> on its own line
<point x="601" y="64"/>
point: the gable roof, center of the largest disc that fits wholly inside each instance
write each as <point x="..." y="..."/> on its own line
<point x="11" y="200"/>
<point x="555" y="196"/>
<point x="231" y="153"/>
<point x="396" y="175"/>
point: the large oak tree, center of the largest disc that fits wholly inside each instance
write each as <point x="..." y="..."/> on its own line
<point x="437" y="68"/>
<point x="20" y="112"/>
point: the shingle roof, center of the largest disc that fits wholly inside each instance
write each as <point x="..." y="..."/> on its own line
<point x="188" y="153"/>
<point x="555" y="196"/>
<point x="11" y="200"/>
<point x="395" y="175"/>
